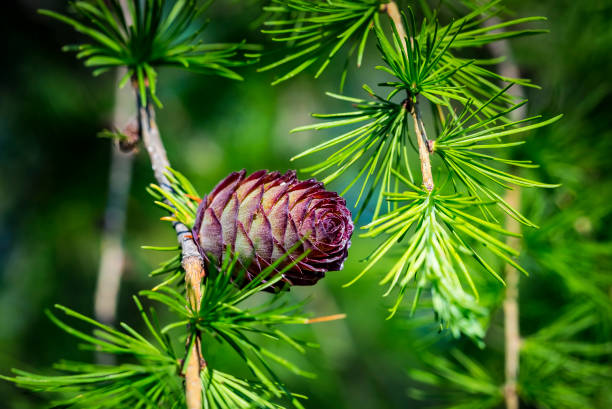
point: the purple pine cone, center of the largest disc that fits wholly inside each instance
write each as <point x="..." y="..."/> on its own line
<point x="264" y="215"/>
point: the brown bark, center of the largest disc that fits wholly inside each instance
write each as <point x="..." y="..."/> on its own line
<point x="511" y="308"/>
<point x="191" y="259"/>
<point x="394" y="14"/>
<point x="424" y="147"/>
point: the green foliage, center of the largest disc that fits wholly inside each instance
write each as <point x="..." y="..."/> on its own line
<point x="155" y="380"/>
<point x="424" y="63"/>
<point x="151" y="376"/>
<point x="444" y="222"/>
<point x="224" y="391"/>
<point x="438" y="229"/>
<point x="564" y="247"/>
<point x="318" y="30"/>
<point x="115" y="135"/>
<point x="461" y="149"/>
<point x="416" y="62"/>
<point x="148" y="34"/>
<point x="568" y="257"/>
<point x="220" y="314"/>
<point x="383" y="140"/>
<point x="221" y="317"/>
<point x="150" y="380"/>
<point x="458" y="382"/>
<point x="560" y="369"/>
<point x="181" y="201"/>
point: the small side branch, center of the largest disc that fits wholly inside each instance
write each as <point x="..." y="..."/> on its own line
<point x="411" y="104"/>
<point x="190" y="256"/>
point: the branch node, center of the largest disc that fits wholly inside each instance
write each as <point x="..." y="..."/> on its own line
<point x="132" y="133"/>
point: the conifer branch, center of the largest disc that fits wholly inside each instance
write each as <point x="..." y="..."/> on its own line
<point x="395" y="15"/>
<point x="191" y="259"/>
<point x="112" y="254"/>
<point x="511" y="307"/>
<point x="424" y="145"/>
<point x="508" y="68"/>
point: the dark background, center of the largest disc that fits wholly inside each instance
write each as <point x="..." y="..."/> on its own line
<point x="53" y="187"/>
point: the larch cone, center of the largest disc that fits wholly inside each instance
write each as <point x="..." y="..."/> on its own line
<point x="262" y="216"/>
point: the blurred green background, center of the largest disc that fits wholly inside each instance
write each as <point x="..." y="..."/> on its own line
<point x="54" y="172"/>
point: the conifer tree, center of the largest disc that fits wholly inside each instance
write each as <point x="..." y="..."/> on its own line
<point x="430" y="158"/>
<point x="438" y="227"/>
<point x="232" y="244"/>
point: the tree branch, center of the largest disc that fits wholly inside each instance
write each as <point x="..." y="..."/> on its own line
<point x="112" y="257"/>
<point x="511" y="308"/>
<point x="394" y="14"/>
<point x="509" y="69"/>
<point x="190" y="256"/>
<point x="425" y="146"/>
<point x="191" y="259"/>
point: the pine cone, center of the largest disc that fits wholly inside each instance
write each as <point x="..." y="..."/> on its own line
<point x="264" y="215"/>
